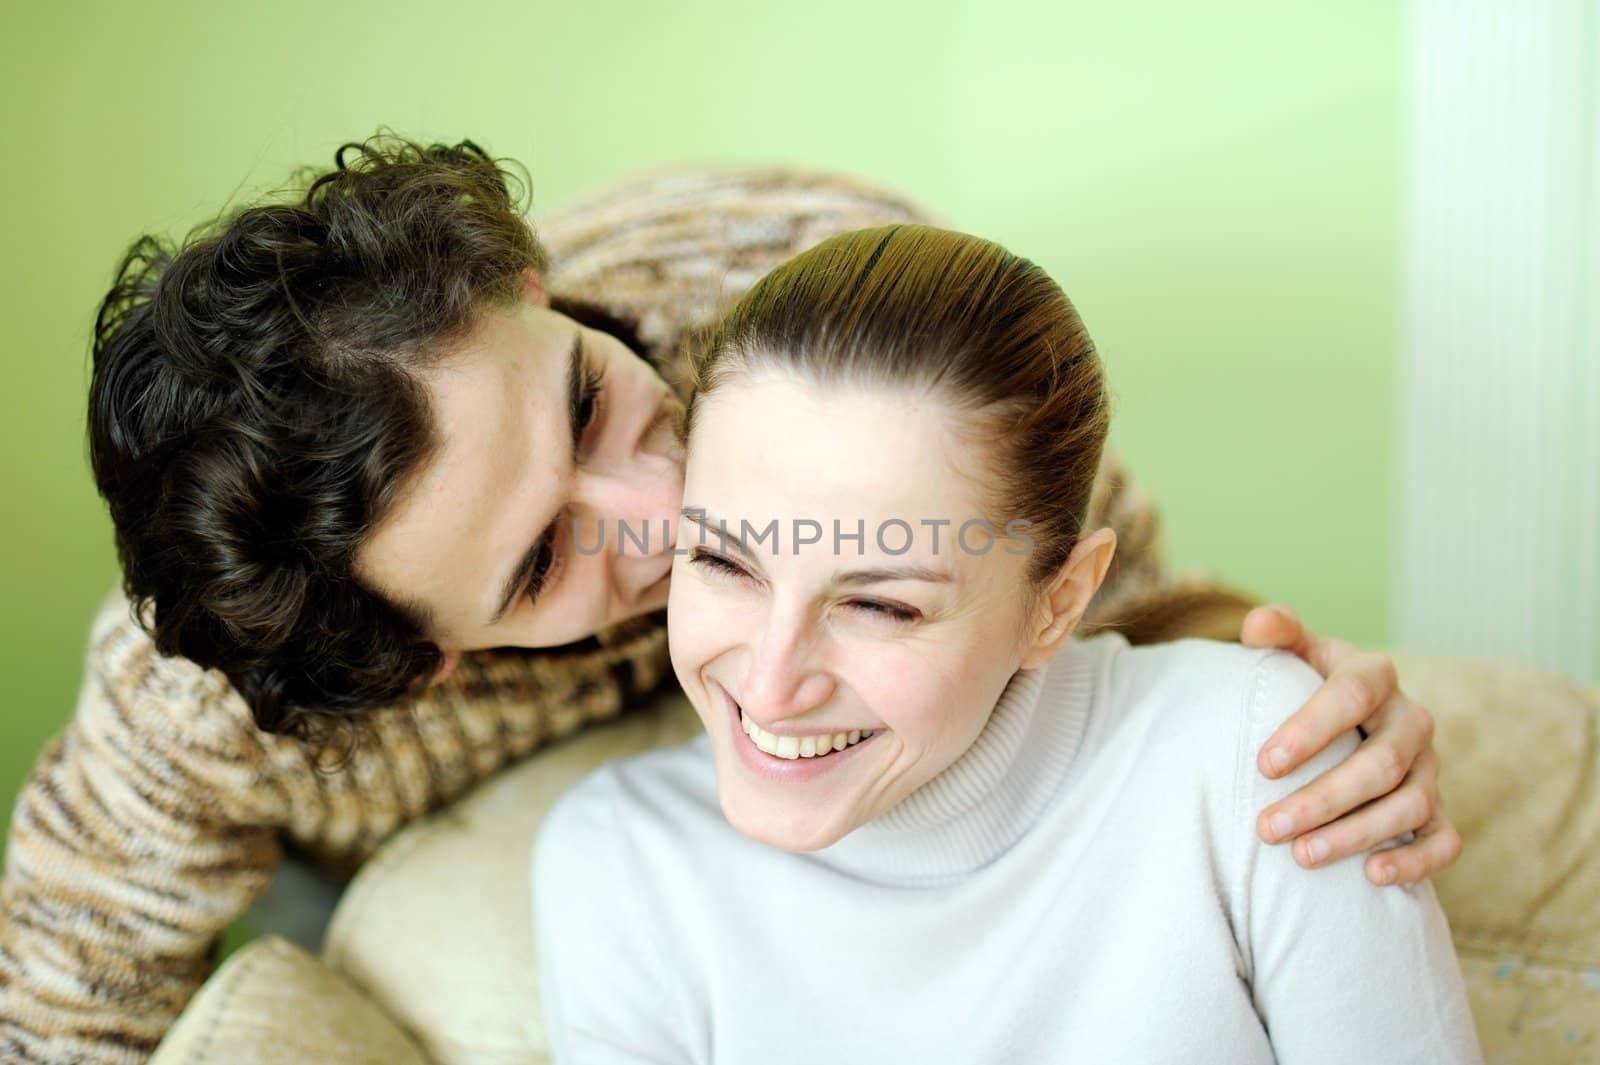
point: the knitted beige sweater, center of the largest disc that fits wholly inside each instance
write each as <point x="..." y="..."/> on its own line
<point x="159" y="813"/>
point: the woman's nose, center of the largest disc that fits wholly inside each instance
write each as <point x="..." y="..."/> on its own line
<point x="783" y="679"/>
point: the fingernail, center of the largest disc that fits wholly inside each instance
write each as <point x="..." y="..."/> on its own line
<point x="1318" y="849"/>
<point x="1387" y="877"/>
<point x="1278" y="758"/>
<point x="1281" y="824"/>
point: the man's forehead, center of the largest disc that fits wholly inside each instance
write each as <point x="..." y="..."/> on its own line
<point x="497" y="408"/>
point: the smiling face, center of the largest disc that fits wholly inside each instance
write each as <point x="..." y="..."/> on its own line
<point x="546" y="431"/>
<point x="914" y="648"/>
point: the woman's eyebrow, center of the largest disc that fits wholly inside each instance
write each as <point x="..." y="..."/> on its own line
<point x="718" y="528"/>
<point x="892" y="573"/>
<point x="870" y="575"/>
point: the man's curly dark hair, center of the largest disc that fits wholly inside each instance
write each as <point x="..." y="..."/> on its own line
<point x="254" y="410"/>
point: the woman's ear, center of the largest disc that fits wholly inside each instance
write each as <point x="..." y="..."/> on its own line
<point x="1067" y="597"/>
<point x="533" y="290"/>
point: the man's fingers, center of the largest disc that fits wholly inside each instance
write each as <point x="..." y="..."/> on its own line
<point x="1406" y="809"/>
<point x="1436" y="846"/>
<point x="1376" y="768"/>
<point x="1352" y="783"/>
<point x="1355" y="694"/>
<point x="1384" y="790"/>
<point x="1277" y="626"/>
<point x="1273" y="626"/>
<point x="1330" y="655"/>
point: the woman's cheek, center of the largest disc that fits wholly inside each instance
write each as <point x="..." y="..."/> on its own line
<point x="689" y="628"/>
<point x="703" y="623"/>
<point x="899" y="689"/>
<point x="935" y="696"/>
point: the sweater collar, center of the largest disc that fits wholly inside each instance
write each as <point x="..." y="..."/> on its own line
<point x="981" y="805"/>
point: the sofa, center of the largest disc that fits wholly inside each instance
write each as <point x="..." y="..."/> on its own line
<point x="428" y="958"/>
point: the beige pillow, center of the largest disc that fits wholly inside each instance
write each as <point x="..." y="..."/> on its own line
<point x="271" y="1003"/>
<point x="1521" y="780"/>
<point x="1521" y="751"/>
<point x="436" y="927"/>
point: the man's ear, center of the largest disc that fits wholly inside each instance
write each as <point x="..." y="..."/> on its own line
<point x="1062" y="605"/>
<point x="447" y="666"/>
<point x="533" y="290"/>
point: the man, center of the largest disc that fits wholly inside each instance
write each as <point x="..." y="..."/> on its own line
<point x="347" y="445"/>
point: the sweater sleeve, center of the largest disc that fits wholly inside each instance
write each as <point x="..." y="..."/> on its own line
<point x="605" y="990"/>
<point x="1340" y="970"/>
<point x="122" y="866"/>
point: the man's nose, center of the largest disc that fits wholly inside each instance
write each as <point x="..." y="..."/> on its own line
<point x="636" y="508"/>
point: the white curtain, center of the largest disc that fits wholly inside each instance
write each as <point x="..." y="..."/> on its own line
<point x="1498" y="495"/>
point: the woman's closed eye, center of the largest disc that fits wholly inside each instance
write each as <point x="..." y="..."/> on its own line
<point x="874" y="608"/>
<point x="717" y="564"/>
<point x="887" y="611"/>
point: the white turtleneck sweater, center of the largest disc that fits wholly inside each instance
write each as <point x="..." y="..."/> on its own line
<point x="1084" y="884"/>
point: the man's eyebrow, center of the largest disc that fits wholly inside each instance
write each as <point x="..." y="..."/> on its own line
<point x="523" y="570"/>
<point x="576" y="373"/>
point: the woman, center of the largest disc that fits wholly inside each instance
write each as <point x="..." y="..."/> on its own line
<point x="924" y="824"/>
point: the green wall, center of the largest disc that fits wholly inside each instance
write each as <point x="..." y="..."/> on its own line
<point x="1215" y="185"/>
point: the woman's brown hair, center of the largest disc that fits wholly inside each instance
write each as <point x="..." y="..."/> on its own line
<point x="961" y="320"/>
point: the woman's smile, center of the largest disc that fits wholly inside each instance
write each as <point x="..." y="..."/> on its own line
<point x="779" y="765"/>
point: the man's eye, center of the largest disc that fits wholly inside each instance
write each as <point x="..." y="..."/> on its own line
<point x="589" y="399"/>
<point x="541" y="570"/>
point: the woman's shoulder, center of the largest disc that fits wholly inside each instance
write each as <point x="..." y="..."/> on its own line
<point x="1196" y="680"/>
<point x="637" y="802"/>
<point x="1205" y="704"/>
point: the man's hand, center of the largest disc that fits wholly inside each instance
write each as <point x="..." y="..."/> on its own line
<point x="1388" y="787"/>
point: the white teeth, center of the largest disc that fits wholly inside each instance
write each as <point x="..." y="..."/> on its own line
<point x="798" y="747"/>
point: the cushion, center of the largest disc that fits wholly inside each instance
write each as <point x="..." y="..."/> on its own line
<point x="1522" y="783"/>
<point x="437" y="928"/>
<point x="1521" y="780"/>
<point x="271" y="1003"/>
